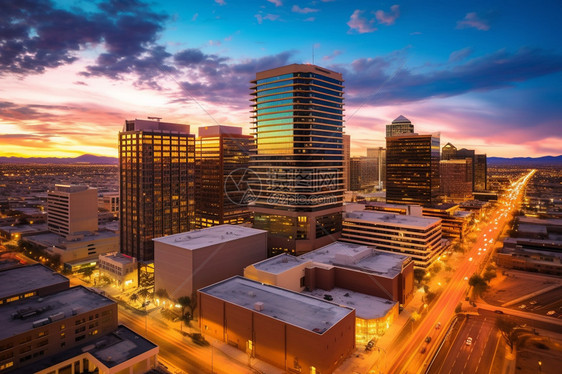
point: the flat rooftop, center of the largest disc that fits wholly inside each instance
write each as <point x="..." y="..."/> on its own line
<point x="279" y="263"/>
<point x="119" y="257"/>
<point x="79" y="299"/>
<point x="28" y="278"/>
<point x="111" y="350"/>
<point x="398" y="220"/>
<point x="366" y="306"/>
<point x="51" y="239"/>
<point x="209" y="236"/>
<point x="306" y="312"/>
<point x="359" y="257"/>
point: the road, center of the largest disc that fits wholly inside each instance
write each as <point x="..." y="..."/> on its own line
<point x="406" y="357"/>
<point x="475" y="358"/>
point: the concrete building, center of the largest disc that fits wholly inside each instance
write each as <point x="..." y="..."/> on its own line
<point x="28" y="281"/>
<point x="222" y="156"/>
<point x="191" y="260"/>
<point x="401" y="125"/>
<point x="363" y="173"/>
<point x="379" y="156"/>
<point x="120" y="268"/>
<point x="156" y="163"/>
<point x="39" y="327"/>
<point x="456" y="179"/>
<point x="417" y="237"/>
<point x="72" y="209"/>
<point x="412" y="169"/>
<point x="298" y="121"/>
<point x="109" y="202"/>
<point x="292" y="331"/>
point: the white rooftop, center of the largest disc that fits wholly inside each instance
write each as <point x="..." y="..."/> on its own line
<point x="366" y="306"/>
<point x="358" y="257"/>
<point x="279" y="263"/>
<point x="306" y="312"/>
<point x="209" y="236"/>
<point x="391" y="219"/>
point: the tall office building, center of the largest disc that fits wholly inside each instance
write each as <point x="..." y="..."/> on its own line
<point x="222" y="156"/>
<point x="346" y="161"/>
<point x="412" y="169"/>
<point x="400" y="125"/>
<point x="72" y="209"/>
<point x="448" y="152"/>
<point x="480" y="164"/>
<point x="379" y="156"/>
<point x="298" y="165"/>
<point x="363" y="173"/>
<point x="156" y="162"/>
<point x="456" y="178"/>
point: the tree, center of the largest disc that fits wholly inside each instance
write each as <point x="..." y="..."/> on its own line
<point x="144" y="293"/>
<point x="184" y="301"/>
<point x="489" y="275"/>
<point x="435" y="268"/>
<point x="88" y="272"/>
<point x="419" y="274"/>
<point x="134" y="297"/>
<point x="161" y="293"/>
<point x="478" y="283"/>
<point x="507" y="329"/>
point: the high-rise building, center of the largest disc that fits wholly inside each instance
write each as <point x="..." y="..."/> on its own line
<point x="156" y="161"/>
<point x="363" y="173"/>
<point x="456" y="178"/>
<point x="346" y="158"/>
<point x="480" y="171"/>
<point x="448" y="152"/>
<point x="412" y="169"/>
<point x="400" y="125"/>
<point x="379" y="156"/>
<point x="298" y="165"/>
<point x="222" y="155"/>
<point x="72" y="209"/>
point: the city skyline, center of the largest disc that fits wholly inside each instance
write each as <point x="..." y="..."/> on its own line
<point x="479" y="73"/>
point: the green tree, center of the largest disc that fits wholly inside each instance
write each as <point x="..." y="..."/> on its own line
<point x="478" y="283"/>
<point x="507" y="329"/>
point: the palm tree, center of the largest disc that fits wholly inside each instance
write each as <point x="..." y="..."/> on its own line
<point x="184" y="301"/>
<point x="134" y="297"/>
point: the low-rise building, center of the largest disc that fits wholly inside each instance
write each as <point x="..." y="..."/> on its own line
<point x="122" y="269"/>
<point x="187" y="261"/>
<point x="27" y="281"/>
<point x="417" y="237"/>
<point x="295" y="332"/>
<point x="109" y="202"/>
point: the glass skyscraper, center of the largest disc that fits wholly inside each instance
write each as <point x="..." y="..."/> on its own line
<point x="298" y="165"/>
<point x="156" y="166"/>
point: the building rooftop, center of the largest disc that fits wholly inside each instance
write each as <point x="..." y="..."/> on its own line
<point x="398" y="220"/>
<point x="52" y="239"/>
<point x="366" y="306"/>
<point x="70" y="188"/>
<point x="77" y="300"/>
<point x="279" y="263"/>
<point x="119" y="257"/>
<point x="111" y="350"/>
<point x="209" y="236"/>
<point x="401" y="119"/>
<point x="27" y="279"/>
<point x="306" y="312"/>
<point x="359" y="257"/>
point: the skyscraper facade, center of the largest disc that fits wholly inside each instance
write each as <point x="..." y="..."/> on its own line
<point x="448" y="152"/>
<point x="72" y="209"/>
<point x="379" y="156"/>
<point x="480" y="172"/>
<point x="412" y="169"/>
<point x="400" y="125"/>
<point x="346" y="161"/>
<point x="456" y="178"/>
<point x="156" y="162"/>
<point x="222" y="156"/>
<point x="298" y="164"/>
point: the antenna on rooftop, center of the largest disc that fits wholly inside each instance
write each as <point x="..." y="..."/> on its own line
<point x="313" y="46"/>
<point x="156" y="118"/>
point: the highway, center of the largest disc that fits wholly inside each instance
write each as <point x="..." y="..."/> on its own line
<point x="407" y="357"/>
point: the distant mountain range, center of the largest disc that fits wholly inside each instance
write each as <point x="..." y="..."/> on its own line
<point x="526" y="161"/>
<point x="103" y="160"/>
<point x="84" y="159"/>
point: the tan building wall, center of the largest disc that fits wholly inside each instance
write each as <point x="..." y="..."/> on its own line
<point x="72" y="209"/>
<point x="89" y="248"/>
<point x="289" y="279"/>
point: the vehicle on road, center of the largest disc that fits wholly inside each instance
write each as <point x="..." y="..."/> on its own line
<point x="369" y="345"/>
<point x="438" y="326"/>
<point x="422" y="350"/>
<point x="428" y="339"/>
<point x="469" y="341"/>
<point x="550" y="313"/>
<point x="498" y="311"/>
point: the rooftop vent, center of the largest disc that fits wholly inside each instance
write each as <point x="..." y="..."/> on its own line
<point x="258" y="306"/>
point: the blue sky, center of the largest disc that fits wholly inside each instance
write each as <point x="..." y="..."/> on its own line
<point x="486" y="74"/>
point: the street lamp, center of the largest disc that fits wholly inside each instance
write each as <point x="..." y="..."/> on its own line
<point x="540" y="366"/>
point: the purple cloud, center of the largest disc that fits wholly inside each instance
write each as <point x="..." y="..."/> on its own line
<point x="332" y="56"/>
<point x="473" y="20"/>
<point x="388" y="18"/>
<point x="276" y="2"/>
<point x="305" y="10"/>
<point x="360" y="24"/>
<point x="270" y="17"/>
<point x="460" y="55"/>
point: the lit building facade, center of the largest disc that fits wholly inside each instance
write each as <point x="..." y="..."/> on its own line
<point x="379" y="156"/>
<point x="456" y="178"/>
<point x="399" y="126"/>
<point x="121" y="269"/>
<point x="156" y="161"/>
<point x="412" y="169"/>
<point x="448" y="152"/>
<point x="72" y="209"/>
<point x="363" y="173"/>
<point x="346" y="160"/>
<point x="222" y="155"/>
<point x="298" y="164"/>
<point x="480" y="172"/>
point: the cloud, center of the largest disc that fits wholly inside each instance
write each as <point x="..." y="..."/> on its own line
<point x="310" y="19"/>
<point x="388" y="18"/>
<point x="460" y="55"/>
<point x="305" y="10"/>
<point x="220" y="2"/>
<point x="473" y="20"/>
<point x="360" y="24"/>
<point x="80" y="83"/>
<point x="270" y="17"/>
<point x="332" y="56"/>
<point x="276" y="2"/>
<point x="194" y="18"/>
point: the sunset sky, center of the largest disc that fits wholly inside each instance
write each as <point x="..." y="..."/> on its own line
<point x="487" y="75"/>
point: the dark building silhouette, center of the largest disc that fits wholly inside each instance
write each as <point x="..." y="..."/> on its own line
<point x="156" y="176"/>
<point x="298" y="165"/>
<point x="412" y="169"/>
